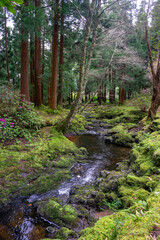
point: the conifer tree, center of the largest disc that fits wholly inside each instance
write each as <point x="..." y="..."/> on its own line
<point x="24" y="55"/>
<point x="53" y="87"/>
<point x="37" y="64"/>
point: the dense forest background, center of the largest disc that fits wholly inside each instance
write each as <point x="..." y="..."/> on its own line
<point x="53" y="51"/>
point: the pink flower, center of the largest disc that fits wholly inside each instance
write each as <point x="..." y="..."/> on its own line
<point x="20" y="107"/>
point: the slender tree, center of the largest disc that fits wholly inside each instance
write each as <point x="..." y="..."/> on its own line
<point x="32" y="74"/>
<point x="6" y="43"/>
<point x="24" y="55"/>
<point x="60" y="87"/>
<point x="37" y="81"/>
<point x="84" y="66"/>
<point x="53" y="88"/>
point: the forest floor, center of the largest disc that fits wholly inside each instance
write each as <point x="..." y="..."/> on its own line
<point x="132" y="190"/>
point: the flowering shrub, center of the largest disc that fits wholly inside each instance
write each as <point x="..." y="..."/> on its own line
<point x="17" y="117"/>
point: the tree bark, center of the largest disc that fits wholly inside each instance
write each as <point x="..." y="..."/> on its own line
<point x="112" y="86"/>
<point x="38" y="99"/>
<point x="122" y="88"/>
<point x="53" y="88"/>
<point x="6" y="43"/>
<point x="24" y="59"/>
<point x="32" y="74"/>
<point x="60" y="87"/>
<point x="155" y="102"/>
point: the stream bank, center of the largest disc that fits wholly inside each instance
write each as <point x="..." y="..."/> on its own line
<point x="133" y="185"/>
<point x="51" y="209"/>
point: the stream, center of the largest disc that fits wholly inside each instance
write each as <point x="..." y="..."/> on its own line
<point x="21" y="222"/>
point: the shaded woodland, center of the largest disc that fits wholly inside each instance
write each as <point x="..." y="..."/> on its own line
<point x="60" y="51"/>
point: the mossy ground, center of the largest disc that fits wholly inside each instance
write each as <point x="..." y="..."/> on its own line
<point x="41" y="164"/>
<point x="138" y="190"/>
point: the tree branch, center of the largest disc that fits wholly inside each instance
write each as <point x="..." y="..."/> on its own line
<point x="148" y="44"/>
<point x="104" y="76"/>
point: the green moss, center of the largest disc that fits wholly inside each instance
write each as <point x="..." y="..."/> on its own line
<point x="60" y="214"/>
<point x="46" y="182"/>
<point x="64" y="234"/>
<point x="121" y="135"/>
<point x="36" y="167"/>
<point x="78" y="124"/>
<point x="131" y="194"/>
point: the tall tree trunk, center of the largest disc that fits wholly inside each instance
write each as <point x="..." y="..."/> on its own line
<point x="38" y="99"/>
<point x="53" y="88"/>
<point x="155" y="102"/>
<point x="43" y="65"/>
<point x="122" y="88"/>
<point x="112" y="86"/>
<point x="32" y="74"/>
<point x="84" y="69"/>
<point x="104" y="93"/>
<point x="6" y="43"/>
<point x="60" y="87"/>
<point x="24" y="59"/>
<point x="100" y="94"/>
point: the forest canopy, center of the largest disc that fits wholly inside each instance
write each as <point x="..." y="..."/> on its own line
<point x="58" y="51"/>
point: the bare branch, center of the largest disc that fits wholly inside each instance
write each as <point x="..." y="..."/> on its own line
<point x="148" y="44"/>
<point x="104" y="76"/>
<point x="77" y="10"/>
<point x="107" y="7"/>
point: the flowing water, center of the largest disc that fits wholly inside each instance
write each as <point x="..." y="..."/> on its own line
<point x="21" y="223"/>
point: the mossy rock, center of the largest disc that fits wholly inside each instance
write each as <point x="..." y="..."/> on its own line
<point x="114" y="175"/>
<point x="52" y="210"/>
<point x="120" y="135"/>
<point x="65" y="233"/>
<point x="87" y="195"/>
<point x="112" y="185"/>
<point x="122" y="166"/>
<point x="129" y="195"/>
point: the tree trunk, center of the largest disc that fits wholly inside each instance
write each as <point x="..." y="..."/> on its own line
<point x="38" y="99"/>
<point x="83" y="73"/>
<point x="100" y="95"/>
<point x="104" y="93"/>
<point x="53" y="88"/>
<point x="112" y="86"/>
<point x="155" y="103"/>
<point x="43" y="66"/>
<point x="60" y="87"/>
<point x="32" y="74"/>
<point x="6" y="44"/>
<point x="24" y="59"/>
<point x="122" y="89"/>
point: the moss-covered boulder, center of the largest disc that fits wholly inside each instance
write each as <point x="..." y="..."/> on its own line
<point x="87" y="195"/>
<point x="65" y="233"/>
<point x="129" y="195"/>
<point x="53" y="210"/>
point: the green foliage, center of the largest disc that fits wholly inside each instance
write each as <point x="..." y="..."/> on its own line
<point x="54" y="211"/>
<point x="64" y="233"/>
<point x="142" y="100"/>
<point x="17" y="117"/>
<point x="10" y="4"/>
<point x="114" y="205"/>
